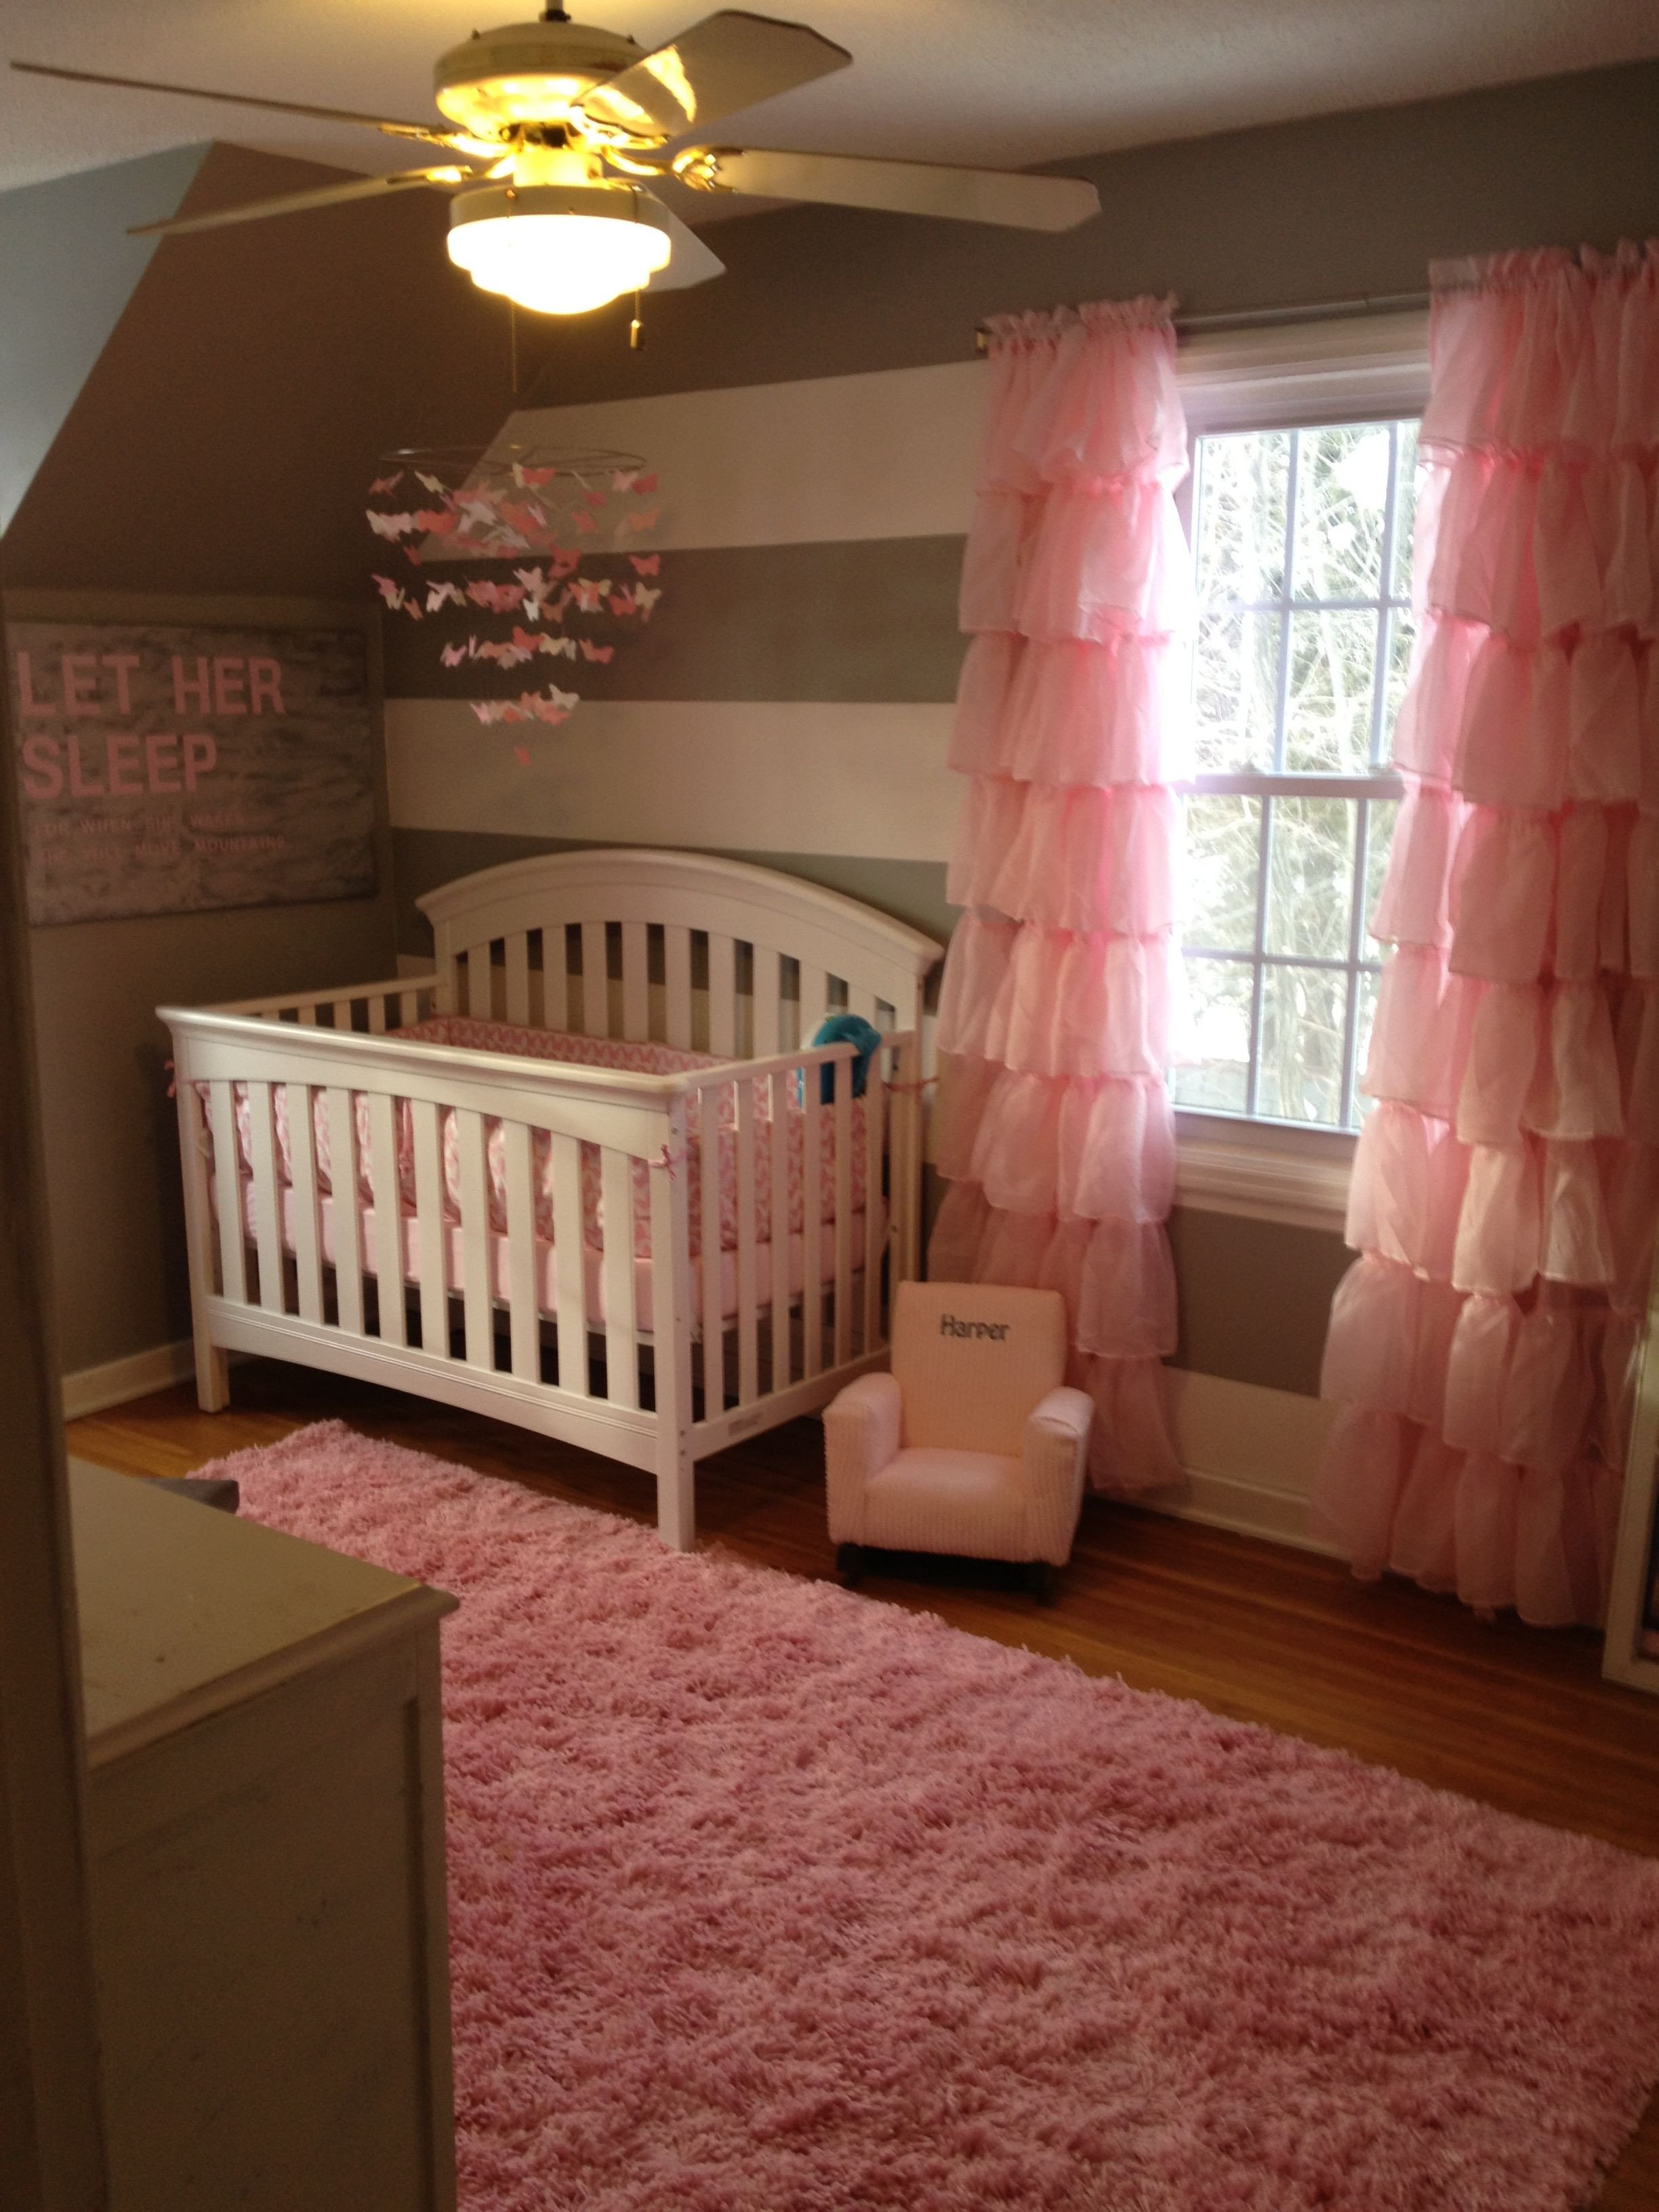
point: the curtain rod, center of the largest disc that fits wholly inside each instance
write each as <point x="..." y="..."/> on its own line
<point x="1261" y="319"/>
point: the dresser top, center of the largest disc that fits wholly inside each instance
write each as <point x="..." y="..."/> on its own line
<point x="184" y="1611"/>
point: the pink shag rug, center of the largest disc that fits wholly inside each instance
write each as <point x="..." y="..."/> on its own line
<point x="771" y="1898"/>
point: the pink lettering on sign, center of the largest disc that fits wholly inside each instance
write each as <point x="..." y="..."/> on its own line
<point x="129" y="766"/>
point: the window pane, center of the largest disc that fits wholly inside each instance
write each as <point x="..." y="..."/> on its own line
<point x="1310" y="877"/>
<point x="1235" y="691"/>
<point x="1328" y="714"/>
<point x="1402" y="636"/>
<point x="1303" y="1012"/>
<point x="1405" y="508"/>
<point x="1219" y="1075"/>
<point x="1242" y="491"/>
<point x="1341" y="499"/>
<point x="1383" y="813"/>
<point x="1364" y="1014"/>
<point x="1222" y="868"/>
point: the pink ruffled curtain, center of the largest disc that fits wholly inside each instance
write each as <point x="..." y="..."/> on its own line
<point x="1054" y="1122"/>
<point x="1506" y="1185"/>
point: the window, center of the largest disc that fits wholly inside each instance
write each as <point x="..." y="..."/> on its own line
<point x="1302" y="538"/>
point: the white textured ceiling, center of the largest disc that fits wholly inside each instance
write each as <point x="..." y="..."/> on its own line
<point x="1001" y="81"/>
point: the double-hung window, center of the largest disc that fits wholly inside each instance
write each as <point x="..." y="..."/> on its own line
<point x="1302" y="498"/>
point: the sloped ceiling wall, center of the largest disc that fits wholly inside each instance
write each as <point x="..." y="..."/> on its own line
<point x="70" y="270"/>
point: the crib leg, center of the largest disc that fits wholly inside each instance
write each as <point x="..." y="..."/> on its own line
<point x="212" y="1377"/>
<point x="676" y="1504"/>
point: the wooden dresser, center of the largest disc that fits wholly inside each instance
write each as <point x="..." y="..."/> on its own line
<point x="265" y="1818"/>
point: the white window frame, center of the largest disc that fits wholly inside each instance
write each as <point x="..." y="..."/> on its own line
<point x="1292" y="375"/>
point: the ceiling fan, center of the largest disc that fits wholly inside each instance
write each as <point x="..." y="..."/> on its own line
<point x="559" y="126"/>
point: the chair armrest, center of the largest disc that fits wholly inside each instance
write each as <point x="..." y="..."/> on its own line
<point x="1056" y="1444"/>
<point x="861" y="1435"/>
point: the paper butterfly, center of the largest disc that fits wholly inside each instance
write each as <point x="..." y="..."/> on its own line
<point x="588" y="591"/>
<point x="382" y="484"/>
<point x="585" y="523"/>
<point x="499" y="598"/>
<point x="436" y="520"/>
<point x="645" y="598"/>
<point x="521" y="754"/>
<point x="646" y="521"/>
<point x="591" y="651"/>
<point x="444" y="595"/>
<point x="621" y="602"/>
<point x="533" y="479"/>
<point x="412" y="555"/>
<point x="622" y="480"/>
<point x="453" y="655"/>
<point x="646" y="564"/>
<point x="646" y="483"/>
<point x="390" y="592"/>
<point x="432" y="483"/>
<point x="593" y="499"/>
<point x="555" y="646"/>
<point x="389" y="527"/>
<point x="563" y="564"/>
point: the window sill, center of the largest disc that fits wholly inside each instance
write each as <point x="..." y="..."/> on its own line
<point x="1263" y="1171"/>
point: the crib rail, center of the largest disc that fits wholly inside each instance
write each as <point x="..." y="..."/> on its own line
<point x="473" y="1227"/>
<point x="370" y="1009"/>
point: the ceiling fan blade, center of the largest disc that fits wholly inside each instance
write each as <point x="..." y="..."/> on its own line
<point x="1001" y="196"/>
<point x="361" y="188"/>
<point x="690" y="262"/>
<point x="726" y="62"/>
<point x="423" y="130"/>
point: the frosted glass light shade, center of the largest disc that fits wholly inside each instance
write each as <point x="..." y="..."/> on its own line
<point x="559" y="252"/>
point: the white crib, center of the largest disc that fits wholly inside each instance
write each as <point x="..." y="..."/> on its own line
<point x="296" y="1114"/>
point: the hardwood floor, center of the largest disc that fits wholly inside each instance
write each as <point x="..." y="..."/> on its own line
<point x="1517" y="1717"/>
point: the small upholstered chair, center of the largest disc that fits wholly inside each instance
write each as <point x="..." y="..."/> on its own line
<point x="970" y="1445"/>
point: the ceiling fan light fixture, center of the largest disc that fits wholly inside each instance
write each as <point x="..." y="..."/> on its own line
<point x="558" y="249"/>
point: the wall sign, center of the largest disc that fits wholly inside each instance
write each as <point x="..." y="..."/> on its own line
<point x="165" y="770"/>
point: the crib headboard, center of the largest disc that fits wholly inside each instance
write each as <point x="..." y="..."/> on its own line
<point x="706" y="954"/>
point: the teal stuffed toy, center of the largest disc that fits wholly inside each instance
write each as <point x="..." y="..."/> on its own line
<point x="845" y="1029"/>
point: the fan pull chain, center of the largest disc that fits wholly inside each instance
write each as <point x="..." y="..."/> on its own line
<point x="636" y="330"/>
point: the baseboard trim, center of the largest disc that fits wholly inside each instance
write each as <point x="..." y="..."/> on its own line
<point x="93" y="1389"/>
<point x="1249" y="1454"/>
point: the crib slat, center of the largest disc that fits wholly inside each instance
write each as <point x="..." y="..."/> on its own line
<point x="387" y="1215"/>
<point x="811" y="1222"/>
<point x="843" y="1113"/>
<point x="518" y="979"/>
<point x="809" y="1006"/>
<point x="875" y="1097"/>
<point x="267" y="1196"/>
<point x="748" y="1353"/>
<point x="308" y="1212"/>
<point x="522" y="1312"/>
<point x="782" y="1090"/>
<point x="622" y="1371"/>
<point x="864" y="1004"/>
<point x="556" y="977"/>
<point x="376" y="1013"/>
<point x="677" y="985"/>
<point x="481" y="983"/>
<point x="596" y="986"/>
<point x="431" y="1241"/>
<point x="636" y="983"/>
<point x="475" y="1239"/>
<point x="343" y="1177"/>
<point x="671" y="1331"/>
<point x="569" y="1276"/>
<point x="722" y="996"/>
<point x="765" y="986"/>
<point x="713" y="1325"/>
<point x="388" y="1224"/>
<point x="308" y="1017"/>
<point x="228" y="1193"/>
